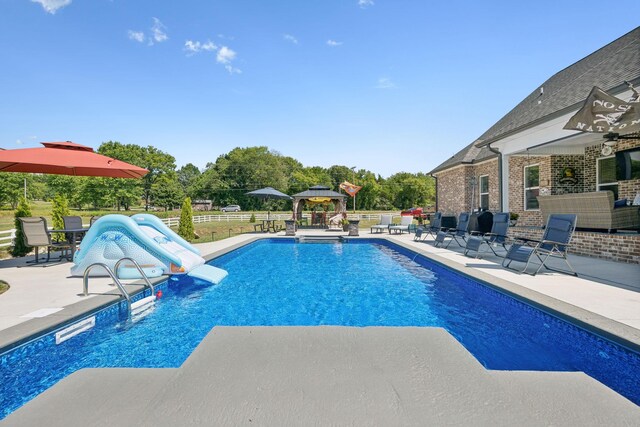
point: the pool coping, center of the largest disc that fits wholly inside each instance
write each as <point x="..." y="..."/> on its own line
<point x="609" y="329"/>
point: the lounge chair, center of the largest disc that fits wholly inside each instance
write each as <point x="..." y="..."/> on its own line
<point x="497" y="236"/>
<point x="434" y="225"/>
<point x="385" y="222"/>
<point x="460" y="232"/>
<point x="555" y="241"/>
<point x="405" y="224"/>
<point x="36" y="234"/>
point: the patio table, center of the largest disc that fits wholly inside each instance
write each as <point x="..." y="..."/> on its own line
<point x="74" y="235"/>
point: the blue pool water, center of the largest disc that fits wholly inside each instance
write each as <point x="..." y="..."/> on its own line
<point x="355" y="284"/>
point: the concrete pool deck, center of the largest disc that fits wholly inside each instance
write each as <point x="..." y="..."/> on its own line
<point x="369" y="375"/>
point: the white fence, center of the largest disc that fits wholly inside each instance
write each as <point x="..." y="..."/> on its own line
<point x="6" y="237"/>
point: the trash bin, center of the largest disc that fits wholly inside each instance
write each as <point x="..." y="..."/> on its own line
<point x="354" y="227"/>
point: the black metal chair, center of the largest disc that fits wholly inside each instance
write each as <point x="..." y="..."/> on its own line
<point x="72" y="223"/>
<point x="36" y="235"/>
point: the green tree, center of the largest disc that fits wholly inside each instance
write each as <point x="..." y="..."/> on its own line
<point x="185" y="227"/>
<point x="19" y="248"/>
<point x="12" y="187"/>
<point x="187" y="177"/>
<point x="59" y="209"/>
<point x="167" y="192"/>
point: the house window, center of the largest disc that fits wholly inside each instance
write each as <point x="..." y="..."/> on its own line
<point x="484" y="192"/>
<point x="606" y="175"/>
<point x="531" y="187"/>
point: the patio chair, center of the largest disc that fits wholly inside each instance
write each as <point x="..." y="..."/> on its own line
<point x="36" y="234"/>
<point x="555" y="242"/>
<point x="434" y="225"/>
<point x="94" y="219"/>
<point x="72" y="223"/>
<point x="405" y="224"/>
<point x="385" y="222"/>
<point x="460" y="232"/>
<point x="497" y="236"/>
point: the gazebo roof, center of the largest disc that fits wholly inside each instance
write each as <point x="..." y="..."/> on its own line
<point x="319" y="191"/>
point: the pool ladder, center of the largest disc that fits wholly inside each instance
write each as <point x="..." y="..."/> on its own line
<point x="114" y="276"/>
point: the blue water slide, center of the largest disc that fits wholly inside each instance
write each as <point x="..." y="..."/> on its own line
<point x="155" y="222"/>
<point x="128" y="226"/>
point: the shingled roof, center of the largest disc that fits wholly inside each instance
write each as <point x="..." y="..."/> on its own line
<point x="566" y="90"/>
<point x="468" y="155"/>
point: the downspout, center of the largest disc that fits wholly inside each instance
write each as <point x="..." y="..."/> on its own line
<point x="436" y="183"/>
<point x="500" y="186"/>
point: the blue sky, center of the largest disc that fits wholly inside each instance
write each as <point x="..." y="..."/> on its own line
<point x="386" y="85"/>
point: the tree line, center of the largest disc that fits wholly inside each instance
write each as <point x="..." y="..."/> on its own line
<point x="224" y="181"/>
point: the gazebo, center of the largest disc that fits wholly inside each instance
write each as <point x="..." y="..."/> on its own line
<point x="318" y="195"/>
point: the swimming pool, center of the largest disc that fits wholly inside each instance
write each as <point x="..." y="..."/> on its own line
<point x="360" y="283"/>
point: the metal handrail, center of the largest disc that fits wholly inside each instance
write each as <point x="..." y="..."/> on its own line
<point x="85" y="282"/>
<point x="135" y="263"/>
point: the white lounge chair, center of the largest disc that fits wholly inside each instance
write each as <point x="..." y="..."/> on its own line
<point x="405" y="223"/>
<point x="385" y="222"/>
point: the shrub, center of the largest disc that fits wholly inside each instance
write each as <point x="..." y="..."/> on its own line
<point x="59" y="209"/>
<point x="253" y="218"/>
<point x="19" y="248"/>
<point x="185" y="228"/>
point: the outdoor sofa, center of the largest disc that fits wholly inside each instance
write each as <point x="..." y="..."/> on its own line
<point x="595" y="210"/>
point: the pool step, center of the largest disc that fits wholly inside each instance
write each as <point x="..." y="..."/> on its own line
<point x="75" y="329"/>
<point x="320" y="239"/>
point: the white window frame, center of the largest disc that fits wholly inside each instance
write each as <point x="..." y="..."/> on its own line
<point x="605" y="184"/>
<point x="480" y="193"/>
<point x="525" y="188"/>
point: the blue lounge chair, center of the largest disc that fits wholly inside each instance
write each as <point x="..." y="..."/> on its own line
<point x="555" y="241"/>
<point x="497" y="236"/>
<point x="434" y="226"/>
<point x="460" y="232"/>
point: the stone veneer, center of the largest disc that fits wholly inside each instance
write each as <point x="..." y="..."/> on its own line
<point x="620" y="247"/>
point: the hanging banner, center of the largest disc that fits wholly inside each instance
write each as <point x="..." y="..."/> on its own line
<point x="350" y="189"/>
<point x="603" y="113"/>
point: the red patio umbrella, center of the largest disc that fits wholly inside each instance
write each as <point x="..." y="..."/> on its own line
<point x="66" y="158"/>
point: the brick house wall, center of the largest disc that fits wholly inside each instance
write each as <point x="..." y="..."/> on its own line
<point x="455" y="191"/>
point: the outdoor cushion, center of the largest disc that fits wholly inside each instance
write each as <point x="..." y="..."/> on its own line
<point x="620" y="203"/>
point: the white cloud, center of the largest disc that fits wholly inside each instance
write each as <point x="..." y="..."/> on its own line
<point x="157" y="34"/>
<point x="365" y="3"/>
<point x="158" y="31"/>
<point x="136" y="35"/>
<point x="51" y="6"/>
<point x="385" y="83"/>
<point x="224" y="57"/>
<point x="195" y="46"/>
<point x="224" y="54"/>
<point x="18" y="141"/>
<point x="333" y="43"/>
<point x="290" y="38"/>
